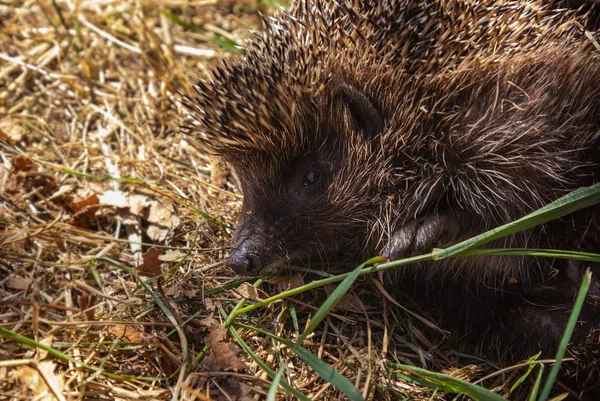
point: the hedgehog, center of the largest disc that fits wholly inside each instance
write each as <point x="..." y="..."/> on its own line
<point x="392" y="127"/>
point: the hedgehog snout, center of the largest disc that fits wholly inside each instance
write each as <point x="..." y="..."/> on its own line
<point x="244" y="260"/>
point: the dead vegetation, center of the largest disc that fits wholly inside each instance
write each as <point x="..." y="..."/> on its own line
<point x="113" y="226"/>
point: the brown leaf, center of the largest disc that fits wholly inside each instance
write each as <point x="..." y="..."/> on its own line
<point x="33" y="379"/>
<point x="128" y="333"/>
<point x="236" y="390"/>
<point x="171" y="256"/>
<point x="167" y="365"/>
<point x="85" y="210"/>
<point x="210" y="305"/>
<point x="163" y="219"/>
<point x="18" y="283"/>
<point x="22" y="164"/>
<point x="160" y="213"/>
<point x="151" y="264"/>
<point x="139" y="204"/>
<point x="47" y="341"/>
<point x="3" y="135"/>
<point x="224" y="355"/>
<point x="216" y="332"/>
<point x="91" y="202"/>
<point x="248" y="291"/>
<point x="191" y="293"/>
<point x="216" y="335"/>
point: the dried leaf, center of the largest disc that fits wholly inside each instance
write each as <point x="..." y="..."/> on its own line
<point x="32" y="378"/>
<point x="85" y="210"/>
<point x="216" y="335"/>
<point x="113" y="198"/>
<point x="171" y="256"/>
<point x="22" y="164"/>
<point x="151" y="264"/>
<point x="163" y="220"/>
<point x="160" y="213"/>
<point x="138" y="204"/>
<point x="189" y="293"/>
<point x="167" y="363"/>
<point x="210" y="305"/>
<point x="128" y="333"/>
<point x="18" y="282"/>
<point x="224" y="355"/>
<point x="248" y="291"/>
<point x="236" y="390"/>
<point x="43" y="183"/>
<point x="47" y="341"/>
<point x="91" y="202"/>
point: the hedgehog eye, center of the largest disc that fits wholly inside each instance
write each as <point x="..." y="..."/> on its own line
<point x="312" y="177"/>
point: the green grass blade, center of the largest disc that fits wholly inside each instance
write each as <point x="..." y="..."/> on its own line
<point x="265" y="367"/>
<point x="560" y="353"/>
<point x="227" y="45"/>
<point x="573" y="201"/>
<point x="419" y="381"/>
<point x="538" y="382"/>
<point x="56" y="353"/>
<point x="180" y="22"/>
<point x="547" y="253"/>
<point x="325" y="371"/>
<point x="526" y="374"/>
<point x="334" y="299"/>
<point x="221" y="41"/>
<point x="182" y="338"/>
<point x="576" y="200"/>
<point x="452" y="384"/>
<point x="552" y="253"/>
<point x="272" y="394"/>
<point x="325" y="281"/>
<point x="294" y="317"/>
<point x="321" y="368"/>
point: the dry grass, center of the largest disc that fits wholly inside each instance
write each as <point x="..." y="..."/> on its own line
<point x="96" y="179"/>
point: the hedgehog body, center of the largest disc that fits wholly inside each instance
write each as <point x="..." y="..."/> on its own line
<point x="393" y="127"/>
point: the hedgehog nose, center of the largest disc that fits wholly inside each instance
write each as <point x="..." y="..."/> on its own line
<point x="242" y="260"/>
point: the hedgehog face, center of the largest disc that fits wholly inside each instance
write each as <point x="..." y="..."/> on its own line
<point x="310" y="201"/>
<point x="283" y="217"/>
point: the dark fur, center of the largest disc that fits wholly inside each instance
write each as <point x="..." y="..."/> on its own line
<point x="427" y="122"/>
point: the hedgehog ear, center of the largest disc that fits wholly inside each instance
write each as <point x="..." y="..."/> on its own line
<point x="365" y="117"/>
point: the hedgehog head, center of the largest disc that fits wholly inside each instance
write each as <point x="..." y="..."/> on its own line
<point x="294" y="128"/>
